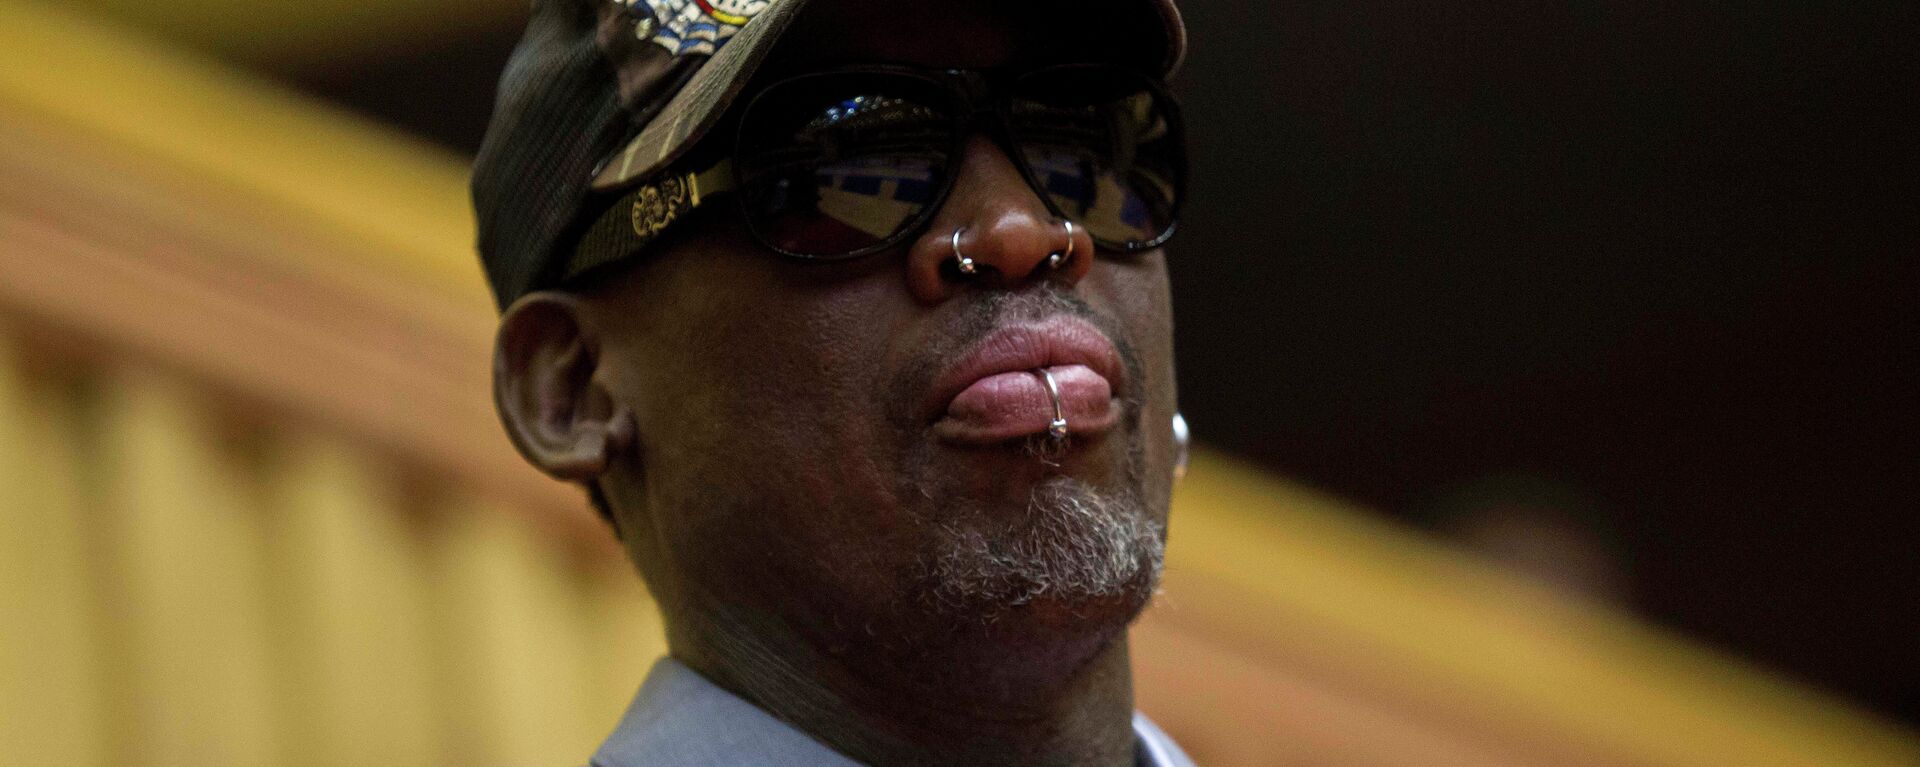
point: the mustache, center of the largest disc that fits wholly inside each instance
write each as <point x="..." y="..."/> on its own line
<point x="982" y="312"/>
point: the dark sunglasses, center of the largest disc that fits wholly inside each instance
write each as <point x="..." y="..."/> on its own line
<point x="850" y="162"/>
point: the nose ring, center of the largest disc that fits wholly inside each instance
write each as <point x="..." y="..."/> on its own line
<point x="967" y="266"/>
<point x="1057" y="429"/>
<point x="1057" y="258"/>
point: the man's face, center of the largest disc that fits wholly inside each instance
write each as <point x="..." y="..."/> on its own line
<point x="816" y="447"/>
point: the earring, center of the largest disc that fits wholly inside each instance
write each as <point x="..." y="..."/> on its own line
<point x="1182" y="444"/>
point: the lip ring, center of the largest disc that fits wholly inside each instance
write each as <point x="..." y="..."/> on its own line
<point x="1058" y="428"/>
<point x="1054" y="341"/>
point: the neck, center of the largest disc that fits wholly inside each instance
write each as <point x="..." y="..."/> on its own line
<point x="850" y="701"/>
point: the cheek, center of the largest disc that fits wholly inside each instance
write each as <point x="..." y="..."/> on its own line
<point x="1137" y="294"/>
<point x="756" y="389"/>
<point x="725" y="338"/>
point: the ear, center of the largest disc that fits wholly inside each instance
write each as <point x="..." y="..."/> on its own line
<point x="556" y="410"/>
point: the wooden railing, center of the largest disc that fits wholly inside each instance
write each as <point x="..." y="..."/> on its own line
<point x="190" y="584"/>
<point x="257" y="509"/>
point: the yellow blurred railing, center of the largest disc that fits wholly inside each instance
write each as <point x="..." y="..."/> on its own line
<point x="257" y="509"/>
<point x="188" y="585"/>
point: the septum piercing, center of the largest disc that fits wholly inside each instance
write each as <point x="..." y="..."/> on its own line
<point x="1056" y="258"/>
<point x="1057" y="429"/>
<point x="967" y="265"/>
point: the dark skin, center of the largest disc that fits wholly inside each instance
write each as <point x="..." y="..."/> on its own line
<point x="754" y="424"/>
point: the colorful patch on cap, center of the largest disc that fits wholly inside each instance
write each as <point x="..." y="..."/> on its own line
<point x="693" y="27"/>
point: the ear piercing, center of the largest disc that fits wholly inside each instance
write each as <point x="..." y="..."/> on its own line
<point x="967" y="266"/>
<point x="1058" y="258"/>
<point x="1182" y="442"/>
<point x="1057" y="429"/>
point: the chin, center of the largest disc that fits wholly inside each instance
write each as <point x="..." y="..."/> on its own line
<point x="1018" y="601"/>
<point x="1073" y="547"/>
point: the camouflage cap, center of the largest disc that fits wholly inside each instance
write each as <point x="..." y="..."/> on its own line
<point x="603" y="94"/>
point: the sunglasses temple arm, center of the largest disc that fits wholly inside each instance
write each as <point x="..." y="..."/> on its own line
<point x="714" y="180"/>
<point x="638" y="218"/>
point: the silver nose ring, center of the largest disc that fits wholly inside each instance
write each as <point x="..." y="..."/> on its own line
<point x="1057" y="258"/>
<point x="967" y="266"/>
<point x="1057" y="429"/>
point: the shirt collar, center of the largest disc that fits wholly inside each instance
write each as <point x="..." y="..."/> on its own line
<point x="680" y="719"/>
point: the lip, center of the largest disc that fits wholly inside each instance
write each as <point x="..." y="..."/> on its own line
<point x="990" y="394"/>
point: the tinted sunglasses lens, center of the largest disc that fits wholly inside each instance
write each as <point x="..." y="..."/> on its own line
<point x="1106" y="149"/>
<point x="839" y="165"/>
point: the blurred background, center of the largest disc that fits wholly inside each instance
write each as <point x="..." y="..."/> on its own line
<point x="1555" y="365"/>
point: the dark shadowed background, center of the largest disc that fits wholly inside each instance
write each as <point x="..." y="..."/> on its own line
<point x="1645" y="268"/>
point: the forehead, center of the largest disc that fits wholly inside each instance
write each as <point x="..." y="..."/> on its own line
<point x="942" y="34"/>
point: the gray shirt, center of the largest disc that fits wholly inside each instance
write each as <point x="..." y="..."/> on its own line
<point x="680" y="719"/>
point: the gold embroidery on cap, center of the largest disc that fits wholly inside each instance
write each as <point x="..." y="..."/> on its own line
<point x="657" y="205"/>
<point x="692" y="27"/>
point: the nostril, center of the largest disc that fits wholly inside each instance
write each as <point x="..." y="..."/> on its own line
<point x="951" y="271"/>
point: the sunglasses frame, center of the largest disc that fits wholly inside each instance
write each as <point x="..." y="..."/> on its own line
<point x="978" y="106"/>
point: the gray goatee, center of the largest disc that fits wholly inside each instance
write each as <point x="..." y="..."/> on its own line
<point x="1075" y="545"/>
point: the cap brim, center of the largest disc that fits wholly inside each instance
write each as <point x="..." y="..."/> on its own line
<point x="701" y="102"/>
<point x="698" y="106"/>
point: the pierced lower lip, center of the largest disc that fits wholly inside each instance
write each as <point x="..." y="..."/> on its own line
<point x="1016" y="404"/>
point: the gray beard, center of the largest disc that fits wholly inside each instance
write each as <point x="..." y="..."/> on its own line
<point x="1075" y="546"/>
